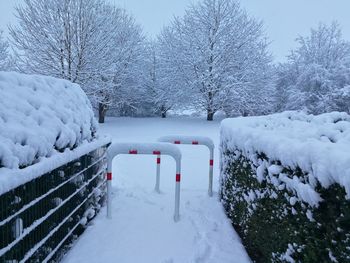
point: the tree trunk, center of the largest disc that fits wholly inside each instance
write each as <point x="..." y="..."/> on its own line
<point x="210" y="107"/>
<point x="163" y="111"/>
<point x="210" y="115"/>
<point x="245" y="114"/>
<point x="101" y="112"/>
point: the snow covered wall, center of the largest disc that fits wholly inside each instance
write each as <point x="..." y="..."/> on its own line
<point x="285" y="178"/>
<point x="40" y="116"/>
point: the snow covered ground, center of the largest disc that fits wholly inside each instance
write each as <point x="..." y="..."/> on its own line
<point x="142" y="229"/>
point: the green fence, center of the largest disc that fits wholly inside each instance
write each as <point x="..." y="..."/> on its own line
<point x="40" y="219"/>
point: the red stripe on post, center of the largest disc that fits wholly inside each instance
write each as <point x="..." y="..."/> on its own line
<point x="211" y="162"/>
<point x="109" y="176"/>
<point x="195" y="143"/>
<point x="177" y="142"/>
<point x="156" y="152"/>
<point x="133" y="152"/>
<point x="158" y="160"/>
<point x="178" y="177"/>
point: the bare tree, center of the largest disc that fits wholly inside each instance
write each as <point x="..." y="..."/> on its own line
<point x="219" y="51"/>
<point x="4" y="55"/>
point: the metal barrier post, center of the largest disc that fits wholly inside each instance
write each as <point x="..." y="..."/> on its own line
<point x="158" y="175"/>
<point x="211" y="170"/>
<point x="109" y="193"/>
<point x="195" y="140"/>
<point x="148" y="149"/>
<point x="177" y="192"/>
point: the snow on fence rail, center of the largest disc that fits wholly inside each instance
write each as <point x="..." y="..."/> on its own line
<point x="191" y="140"/>
<point x="147" y="149"/>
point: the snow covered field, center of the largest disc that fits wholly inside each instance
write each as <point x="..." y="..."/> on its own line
<point x="142" y="229"/>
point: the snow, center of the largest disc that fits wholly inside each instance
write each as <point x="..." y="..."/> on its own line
<point x="44" y="123"/>
<point x="319" y="145"/>
<point x="40" y="115"/>
<point x="142" y="227"/>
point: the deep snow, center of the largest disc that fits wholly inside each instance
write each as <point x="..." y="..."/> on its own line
<point x="142" y="228"/>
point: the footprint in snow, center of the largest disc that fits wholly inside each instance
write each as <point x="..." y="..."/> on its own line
<point x="203" y="253"/>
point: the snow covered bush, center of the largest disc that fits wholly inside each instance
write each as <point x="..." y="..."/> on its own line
<point x="40" y="116"/>
<point x="285" y="184"/>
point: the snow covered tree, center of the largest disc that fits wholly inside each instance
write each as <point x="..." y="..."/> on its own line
<point x="61" y="38"/>
<point x="158" y="94"/>
<point x="4" y="56"/>
<point x="88" y="42"/>
<point x="219" y="54"/>
<point x="316" y="77"/>
<point x="118" y="88"/>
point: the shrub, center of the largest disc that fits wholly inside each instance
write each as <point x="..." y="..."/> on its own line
<point x="284" y="185"/>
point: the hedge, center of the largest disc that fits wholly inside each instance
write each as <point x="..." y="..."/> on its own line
<point x="283" y="213"/>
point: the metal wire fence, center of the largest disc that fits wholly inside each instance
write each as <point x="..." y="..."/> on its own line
<point x="40" y="219"/>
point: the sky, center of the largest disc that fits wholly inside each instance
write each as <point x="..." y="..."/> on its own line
<point x="284" y="20"/>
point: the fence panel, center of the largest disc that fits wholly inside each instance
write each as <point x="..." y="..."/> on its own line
<point x="39" y="219"/>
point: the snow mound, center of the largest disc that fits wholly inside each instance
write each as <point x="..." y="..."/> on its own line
<point x="319" y="145"/>
<point x="40" y="116"/>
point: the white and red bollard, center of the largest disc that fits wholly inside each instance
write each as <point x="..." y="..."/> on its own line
<point x="195" y="140"/>
<point x="157" y="187"/>
<point x="148" y="149"/>
<point x="109" y="193"/>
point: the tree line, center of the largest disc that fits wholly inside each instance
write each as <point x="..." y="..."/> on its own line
<point x="213" y="58"/>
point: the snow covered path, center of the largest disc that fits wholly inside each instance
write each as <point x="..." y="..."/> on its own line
<point x="142" y="229"/>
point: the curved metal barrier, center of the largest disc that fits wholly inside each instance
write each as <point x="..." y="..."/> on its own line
<point x="147" y="149"/>
<point x="191" y="140"/>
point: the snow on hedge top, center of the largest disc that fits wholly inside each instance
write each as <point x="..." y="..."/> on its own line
<point x="40" y="116"/>
<point x="318" y="145"/>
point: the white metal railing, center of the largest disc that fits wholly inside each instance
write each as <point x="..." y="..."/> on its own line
<point x="148" y="149"/>
<point x="191" y="140"/>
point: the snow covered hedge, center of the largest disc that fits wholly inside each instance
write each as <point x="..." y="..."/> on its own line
<point x="52" y="166"/>
<point x="40" y="116"/>
<point x="285" y="184"/>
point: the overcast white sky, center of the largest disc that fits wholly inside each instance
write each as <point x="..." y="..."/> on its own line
<point x="284" y="19"/>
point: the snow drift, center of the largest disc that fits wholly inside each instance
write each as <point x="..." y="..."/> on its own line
<point x="40" y="116"/>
